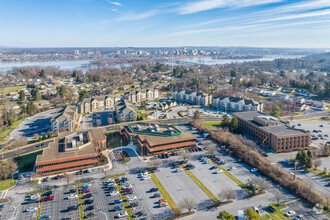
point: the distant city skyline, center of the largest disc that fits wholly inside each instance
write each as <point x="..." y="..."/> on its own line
<point x="168" y="23"/>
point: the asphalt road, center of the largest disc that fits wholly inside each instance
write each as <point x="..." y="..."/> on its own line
<point x="11" y="154"/>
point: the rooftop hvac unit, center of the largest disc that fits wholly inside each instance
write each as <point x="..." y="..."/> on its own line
<point x="81" y="138"/>
<point x="74" y="143"/>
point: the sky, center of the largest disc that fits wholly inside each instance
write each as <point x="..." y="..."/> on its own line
<point x="165" y="23"/>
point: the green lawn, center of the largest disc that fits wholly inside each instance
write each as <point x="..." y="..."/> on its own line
<point x="165" y="194"/>
<point x="113" y="139"/>
<point x="26" y="162"/>
<point x="321" y="173"/>
<point x="201" y="186"/>
<point x="278" y="206"/>
<point x="6" y="184"/>
<point x="9" y="129"/>
<point x="278" y="215"/>
<point x="312" y="119"/>
<point x="12" y="88"/>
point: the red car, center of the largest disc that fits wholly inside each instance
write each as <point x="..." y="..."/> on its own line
<point x="86" y="191"/>
<point x="48" y="198"/>
<point x="128" y="189"/>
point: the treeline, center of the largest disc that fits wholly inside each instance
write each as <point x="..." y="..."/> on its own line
<point x="243" y="149"/>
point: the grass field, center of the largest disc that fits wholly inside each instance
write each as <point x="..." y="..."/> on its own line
<point x="321" y="173"/>
<point x="113" y="139"/>
<point x="12" y="88"/>
<point x="26" y="162"/>
<point x="278" y="215"/>
<point x="6" y="184"/>
<point x="8" y="130"/>
<point x="165" y="194"/>
<point x="201" y="186"/>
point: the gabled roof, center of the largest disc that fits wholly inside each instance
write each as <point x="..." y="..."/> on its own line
<point x="66" y="113"/>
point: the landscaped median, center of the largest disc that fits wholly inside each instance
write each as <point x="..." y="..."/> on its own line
<point x="233" y="178"/>
<point x="115" y="175"/>
<point x="125" y="203"/>
<point x="201" y="186"/>
<point x="80" y="202"/>
<point x="275" y="215"/>
<point x="7" y="184"/>
<point x="165" y="194"/>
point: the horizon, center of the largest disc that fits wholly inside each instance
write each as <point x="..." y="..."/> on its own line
<point x="151" y="24"/>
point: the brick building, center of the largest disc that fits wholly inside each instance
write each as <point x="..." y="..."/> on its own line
<point x="271" y="133"/>
<point x="157" y="138"/>
<point x="71" y="151"/>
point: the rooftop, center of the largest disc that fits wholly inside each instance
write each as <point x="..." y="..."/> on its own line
<point x="62" y="147"/>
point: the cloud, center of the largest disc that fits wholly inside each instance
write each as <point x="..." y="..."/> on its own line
<point x="205" y="5"/>
<point x="114" y="3"/>
<point x="132" y="16"/>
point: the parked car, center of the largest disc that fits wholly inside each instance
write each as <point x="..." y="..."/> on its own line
<point x="117" y="201"/>
<point x="218" y="171"/>
<point x="131" y="198"/>
<point x="91" y="214"/>
<point x="47" y="193"/>
<point x="72" y="196"/>
<point x="157" y="195"/>
<point x="213" y="167"/>
<point x="128" y="189"/>
<point x="45" y="217"/>
<point x="88" y="201"/>
<point x="119" y="207"/>
<point x="72" y="208"/>
<point x="253" y="170"/>
<point x="89" y="208"/>
<point x="178" y="170"/>
<point x="48" y="198"/>
<point x="153" y="190"/>
<point x="31" y="209"/>
<point x="299" y="217"/>
<point x="86" y="191"/>
<point x="86" y="196"/>
<point x="72" y="190"/>
<point x="164" y="204"/>
<point x="139" y="214"/>
<point x="290" y="213"/>
<point x="121" y="214"/>
<point x="134" y="204"/>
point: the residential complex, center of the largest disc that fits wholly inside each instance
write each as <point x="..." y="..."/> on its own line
<point x="71" y="151"/>
<point x="137" y="96"/>
<point x="236" y="104"/>
<point x="97" y="103"/>
<point x="64" y="120"/>
<point x="157" y="138"/>
<point x="125" y="111"/>
<point x="192" y="97"/>
<point x="271" y="132"/>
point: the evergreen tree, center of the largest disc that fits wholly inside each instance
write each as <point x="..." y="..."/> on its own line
<point x="21" y="95"/>
<point x="234" y="124"/>
<point x="225" y="121"/>
<point x="276" y="111"/>
<point x="36" y="94"/>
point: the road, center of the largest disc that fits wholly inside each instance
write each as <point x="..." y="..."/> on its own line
<point x="34" y="147"/>
<point x="308" y="115"/>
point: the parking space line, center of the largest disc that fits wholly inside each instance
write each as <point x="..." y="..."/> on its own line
<point x="292" y="201"/>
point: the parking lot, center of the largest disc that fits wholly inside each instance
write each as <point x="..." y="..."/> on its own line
<point x="62" y="202"/>
<point x="96" y="119"/>
<point x="315" y="127"/>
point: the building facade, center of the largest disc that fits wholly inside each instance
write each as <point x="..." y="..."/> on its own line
<point x="71" y="151"/>
<point x="192" y="97"/>
<point x="125" y="111"/>
<point x="157" y="138"/>
<point x="64" y="120"/>
<point x="97" y="103"/>
<point x="271" y="133"/>
<point x="236" y="104"/>
<point x="137" y="96"/>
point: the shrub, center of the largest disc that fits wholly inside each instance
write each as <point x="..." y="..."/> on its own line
<point x="223" y="215"/>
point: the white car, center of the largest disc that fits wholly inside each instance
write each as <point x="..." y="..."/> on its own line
<point x="32" y="209"/>
<point x="253" y="170"/>
<point x="72" y="196"/>
<point x="110" y="181"/>
<point x="218" y="171"/>
<point x="114" y="193"/>
<point x="290" y="213"/>
<point x="131" y="198"/>
<point x="231" y="168"/>
<point x="146" y="177"/>
<point x="178" y="169"/>
<point x="299" y="217"/>
<point x="121" y="214"/>
<point x="127" y="186"/>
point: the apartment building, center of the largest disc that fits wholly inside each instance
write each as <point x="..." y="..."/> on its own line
<point x="125" y="111"/>
<point x="97" y="103"/>
<point x="137" y="96"/>
<point x="192" y="97"/>
<point x="271" y="133"/>
<point x="71" y="151"/>
<point x="64" y="120"/>
<point x="236" y="104"/>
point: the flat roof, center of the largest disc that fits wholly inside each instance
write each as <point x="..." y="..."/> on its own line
<point x="278" y="130"/>
<point x="55" y="150"/>
<point x="157" y="137"/>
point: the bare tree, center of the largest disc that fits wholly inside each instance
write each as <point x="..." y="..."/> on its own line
<point x="19" y="142"/>
<point x="98" y="123"/>
<point x="261" y="183"/>
<point x="211" y="150"/>
<point x="155" y="163"/>
<point x="184" y="155"/>
<point x="69" y="177"/>
<point x="325" y="150"/>
<point x="187" y="203"/>
<point x="228" y="194"/>
<point x="317" y="163"/>
<point x="278" y="194"/>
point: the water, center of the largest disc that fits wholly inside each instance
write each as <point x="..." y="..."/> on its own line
<point x="210" y="61"/>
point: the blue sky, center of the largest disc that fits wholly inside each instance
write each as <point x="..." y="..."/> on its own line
<point x="161" y="23"/>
